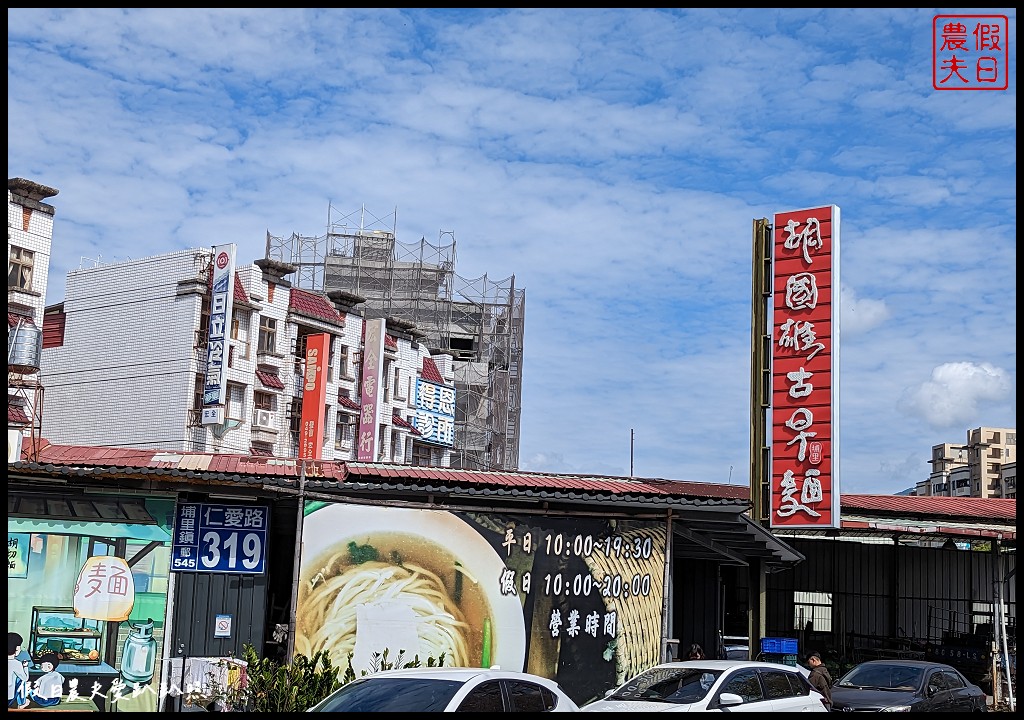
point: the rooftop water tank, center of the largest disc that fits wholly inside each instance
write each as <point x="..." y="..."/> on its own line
<point x="24" y="348"/>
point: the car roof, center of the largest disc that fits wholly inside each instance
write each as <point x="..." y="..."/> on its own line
<point x="461" y="674"/>
<point x="727" y="665"/>
<point x="908" y="663"/>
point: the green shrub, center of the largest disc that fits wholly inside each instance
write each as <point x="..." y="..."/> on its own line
<point x="296" y="687"/>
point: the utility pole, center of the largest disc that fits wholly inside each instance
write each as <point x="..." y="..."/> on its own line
<point x="631" y="452"/>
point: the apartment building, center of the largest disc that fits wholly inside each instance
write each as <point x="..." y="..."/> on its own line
<point x="29" y="239"/>
<point x="125" y="359"/>
<point x="985" y="466"/>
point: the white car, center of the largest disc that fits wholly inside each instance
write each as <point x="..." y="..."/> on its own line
<point x="447" y="689"/>
<point x="714" y="686"/>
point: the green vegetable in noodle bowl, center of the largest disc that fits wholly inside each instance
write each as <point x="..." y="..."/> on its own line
<point x="396" y="590"/>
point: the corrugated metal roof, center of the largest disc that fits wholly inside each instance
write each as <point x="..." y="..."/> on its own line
<point x="954" y="507"/>
<point x="884" y="511"/>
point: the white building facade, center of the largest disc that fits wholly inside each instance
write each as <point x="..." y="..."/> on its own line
<point x="125" y="355"/>
<point x="29" y="241"/>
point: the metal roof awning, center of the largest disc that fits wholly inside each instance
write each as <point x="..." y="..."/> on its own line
<point x="729" y="538"/>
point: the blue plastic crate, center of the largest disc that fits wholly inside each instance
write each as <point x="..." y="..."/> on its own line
<point x="779" y="646"/>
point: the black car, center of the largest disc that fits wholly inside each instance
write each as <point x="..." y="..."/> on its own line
<point x="906" y="686"/>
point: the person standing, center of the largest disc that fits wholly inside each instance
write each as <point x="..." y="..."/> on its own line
<point x="820" y="678"/>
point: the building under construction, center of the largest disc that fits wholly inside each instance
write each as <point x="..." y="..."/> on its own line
<point x="478" y="322"/>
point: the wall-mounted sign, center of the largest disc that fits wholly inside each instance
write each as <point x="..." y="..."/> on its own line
<point x="314" y="396"/>
<point x="435" y="412"/>
<point x="221" y="297"/>
<point x="220" y="538"/>
<point x="369" y="389"/>
<point x="805" y="369"/>
<point x="222" y="626"/>
<point x="17" y="555"/>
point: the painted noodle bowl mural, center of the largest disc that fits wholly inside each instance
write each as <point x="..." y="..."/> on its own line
<point x="575" y="599"/>
<point x="372" y="588"/>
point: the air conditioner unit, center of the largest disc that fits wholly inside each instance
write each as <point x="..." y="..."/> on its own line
<point x="14" y="438"/>
<point x="263" y="418"/>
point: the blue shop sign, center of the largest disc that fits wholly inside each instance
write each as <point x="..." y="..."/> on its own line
<point x="220" y="538"/>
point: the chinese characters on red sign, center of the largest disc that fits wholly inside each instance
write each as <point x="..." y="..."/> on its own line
<point x="970" y="52"/>
<point x="804" y="491"/>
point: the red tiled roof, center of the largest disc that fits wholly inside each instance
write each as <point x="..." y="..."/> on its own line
<point x="239" y="294"/>
<point x="16" y="414"/>
<point x="430" y="371"/>
<point x="314" y="306"/>
<point x="390" y="342"/>
<point x="397" y="420"/>
<point x="260" y="452"/>
<point x="348" y="402"/>
<point x="270" y="380"/>
<point x="13" y="318"/>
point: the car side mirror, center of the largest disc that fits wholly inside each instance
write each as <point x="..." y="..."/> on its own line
<point x="729" y="699"/>
<point x="932" y="689"/>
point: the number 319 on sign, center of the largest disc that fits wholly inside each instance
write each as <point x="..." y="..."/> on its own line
<point x="231" y="551"/>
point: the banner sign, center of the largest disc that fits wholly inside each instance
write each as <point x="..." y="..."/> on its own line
<point x="221" y="298"/>
<point x="314" y="396"/>
<point x="220" y="538"/>
<point x="805" y="369"/>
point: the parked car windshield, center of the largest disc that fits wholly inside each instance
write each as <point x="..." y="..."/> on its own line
<point x="671" y="685"/>
<point x="883" y="676"/>
<point x="371" y="694"/>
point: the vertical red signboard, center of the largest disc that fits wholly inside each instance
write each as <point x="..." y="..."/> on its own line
<point x="805" y="365"/>
<point x="369" y="389"/>
<point x="314" y="397"/>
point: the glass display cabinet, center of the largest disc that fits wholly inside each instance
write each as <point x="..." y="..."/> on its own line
<point x="56" y="629"/>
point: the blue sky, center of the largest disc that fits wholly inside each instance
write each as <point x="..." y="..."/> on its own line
<point x="612" y="160"/>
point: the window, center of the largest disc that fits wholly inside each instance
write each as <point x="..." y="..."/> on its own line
<point x="528" y="697"/>
<point x="485" y="698"/>
<point x="234" y="401"/>
<point x="812" y="611"/>
<point x="745" y="684"/>
<point x="344" y="430"/>
<point x="262" y="400"/>
<point x="776" y="685"/>
<point x="953" y="680"/>
<point x="343" y="361"/>
<point x="268" y="335"/>
<point x="19" y="268"/>
<point x="199" y="392"/>
<point x="397" y="385"/>
<point x="421" y="454"/>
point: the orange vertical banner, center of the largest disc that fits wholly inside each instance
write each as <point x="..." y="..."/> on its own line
<point x="314" y="397"/>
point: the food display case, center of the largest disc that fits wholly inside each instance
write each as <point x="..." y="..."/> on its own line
<point x="56" y="629"/>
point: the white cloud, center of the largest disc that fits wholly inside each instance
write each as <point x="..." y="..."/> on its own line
<point x="956" y="393"/>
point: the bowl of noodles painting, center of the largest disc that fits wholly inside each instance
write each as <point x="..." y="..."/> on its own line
<point x="416" y="582"/>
